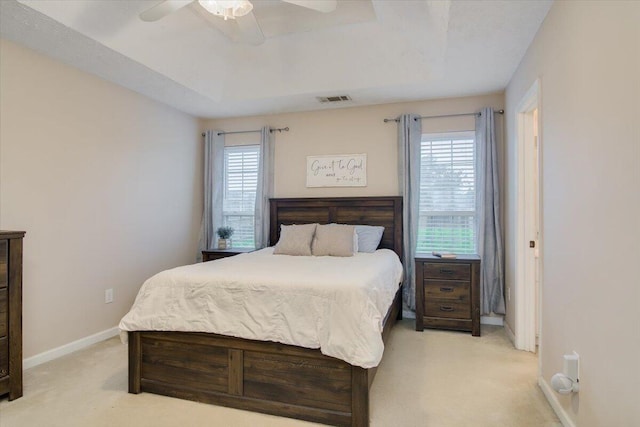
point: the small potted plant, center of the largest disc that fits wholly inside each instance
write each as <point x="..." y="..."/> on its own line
<point x="224" y="234"/>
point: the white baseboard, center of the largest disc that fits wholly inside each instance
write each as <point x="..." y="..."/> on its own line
<point x="55" y="353"/>
<point x="510" y="334"/>
<point x="555" y="404"/>
<point x="492" y="320"/>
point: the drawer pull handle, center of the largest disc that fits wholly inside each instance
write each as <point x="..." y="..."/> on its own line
<point x="446" y="289"/>
<point x="446" y="271"/>
<point x="446" y="308"/>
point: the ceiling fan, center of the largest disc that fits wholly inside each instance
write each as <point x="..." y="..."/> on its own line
<point x="238" y="10"/>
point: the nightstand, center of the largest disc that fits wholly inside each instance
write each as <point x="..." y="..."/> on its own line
<point x="448" y="293"/>
<point x="212" y="254"/>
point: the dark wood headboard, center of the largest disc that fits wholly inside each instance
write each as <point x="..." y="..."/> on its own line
<point x="381" y="211"/>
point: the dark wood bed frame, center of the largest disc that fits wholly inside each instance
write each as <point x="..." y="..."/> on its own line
<point x="263" y="376"/>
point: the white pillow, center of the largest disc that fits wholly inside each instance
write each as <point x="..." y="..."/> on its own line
<point x="369" y="237"/>
<point x="295" y="240"/>
<point x="334" y="240"/>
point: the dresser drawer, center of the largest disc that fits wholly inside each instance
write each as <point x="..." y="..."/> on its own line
<point x="451" y="271"/>
<point x="4" y="263"/>
<point x="446" y="289"/>
<point x="447" y="308"/>
<point x="4" y="312"/>
<point x="4" y="357"/>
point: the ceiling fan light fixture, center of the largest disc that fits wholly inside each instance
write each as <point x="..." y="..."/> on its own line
<point x="228" y="9"/>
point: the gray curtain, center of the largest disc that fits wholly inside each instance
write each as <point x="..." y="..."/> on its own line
<point x="265" y="188"/>
<point x="489" y="227"/>
<point x="213" y="191"/>
<point x="409" y="137"/>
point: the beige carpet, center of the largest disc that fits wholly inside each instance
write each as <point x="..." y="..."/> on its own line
<point x="428" y="379"/>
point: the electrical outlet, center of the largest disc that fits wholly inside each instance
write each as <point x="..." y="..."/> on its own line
<point x="108" y="296"/>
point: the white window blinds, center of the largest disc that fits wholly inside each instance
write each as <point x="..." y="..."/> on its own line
<point x="241" y="180"/>
<point x="447" y="193"/>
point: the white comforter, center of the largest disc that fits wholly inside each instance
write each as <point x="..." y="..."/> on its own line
<point x="332" y="303"/>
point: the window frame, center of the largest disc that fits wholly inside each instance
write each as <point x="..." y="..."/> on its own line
<point x="226" y="213"/>
<point x="453" y="214"/>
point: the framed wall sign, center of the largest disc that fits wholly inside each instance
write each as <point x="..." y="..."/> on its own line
<point x="343" y="170"/>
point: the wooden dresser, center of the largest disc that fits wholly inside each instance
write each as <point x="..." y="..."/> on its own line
<point x="213" y="254"/>
<point x="448" y="293"/>
<point x="11" y="313"/>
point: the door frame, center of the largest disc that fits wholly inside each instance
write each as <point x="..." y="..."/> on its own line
<point x="525" y="295"/>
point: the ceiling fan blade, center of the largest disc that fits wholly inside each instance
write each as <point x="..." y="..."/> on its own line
<point x="163" y="9"/>
<point x="325" y="6"/>
<point x="249" y="29"/>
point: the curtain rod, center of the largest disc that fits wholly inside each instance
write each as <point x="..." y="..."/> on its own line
<point x="252" y="131"/>
<point x="445" y="115"/>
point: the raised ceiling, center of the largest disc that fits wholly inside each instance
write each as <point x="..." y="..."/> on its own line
<point x="375" y="51"/>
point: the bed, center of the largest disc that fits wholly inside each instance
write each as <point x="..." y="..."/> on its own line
<point x="264" y="376"/>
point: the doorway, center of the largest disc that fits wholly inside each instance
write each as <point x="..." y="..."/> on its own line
<point x="529" y="242"/>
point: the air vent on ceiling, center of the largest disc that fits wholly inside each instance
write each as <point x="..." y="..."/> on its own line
<point x="338" y="98"/>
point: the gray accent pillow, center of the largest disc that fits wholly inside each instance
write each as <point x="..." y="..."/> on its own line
<point x="369" y="237"/>
<point x="334" y="240"/>
<point x="295" y="239"/>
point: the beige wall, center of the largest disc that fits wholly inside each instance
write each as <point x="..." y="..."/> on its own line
<point x="106" y="184"/>
<point x="587" y="56"/>
<point x="350" y="131"/>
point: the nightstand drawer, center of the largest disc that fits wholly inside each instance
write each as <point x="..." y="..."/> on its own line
<point x="446" y="289"/>
<point x="4" y="312"/>
<point x="4" y="357"/>
<point x="451" y="271"/>
<point x="447" y="308"/>
<point x="214" y="254"/>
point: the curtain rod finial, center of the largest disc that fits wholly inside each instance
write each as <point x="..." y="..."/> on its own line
<point x="286" y="129"/>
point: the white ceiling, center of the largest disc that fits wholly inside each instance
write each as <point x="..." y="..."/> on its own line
<point x="376" y="51"/>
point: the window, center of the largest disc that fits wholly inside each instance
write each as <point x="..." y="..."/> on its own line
<point x="447" y="193"/>
<point x="240" y="184"/>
